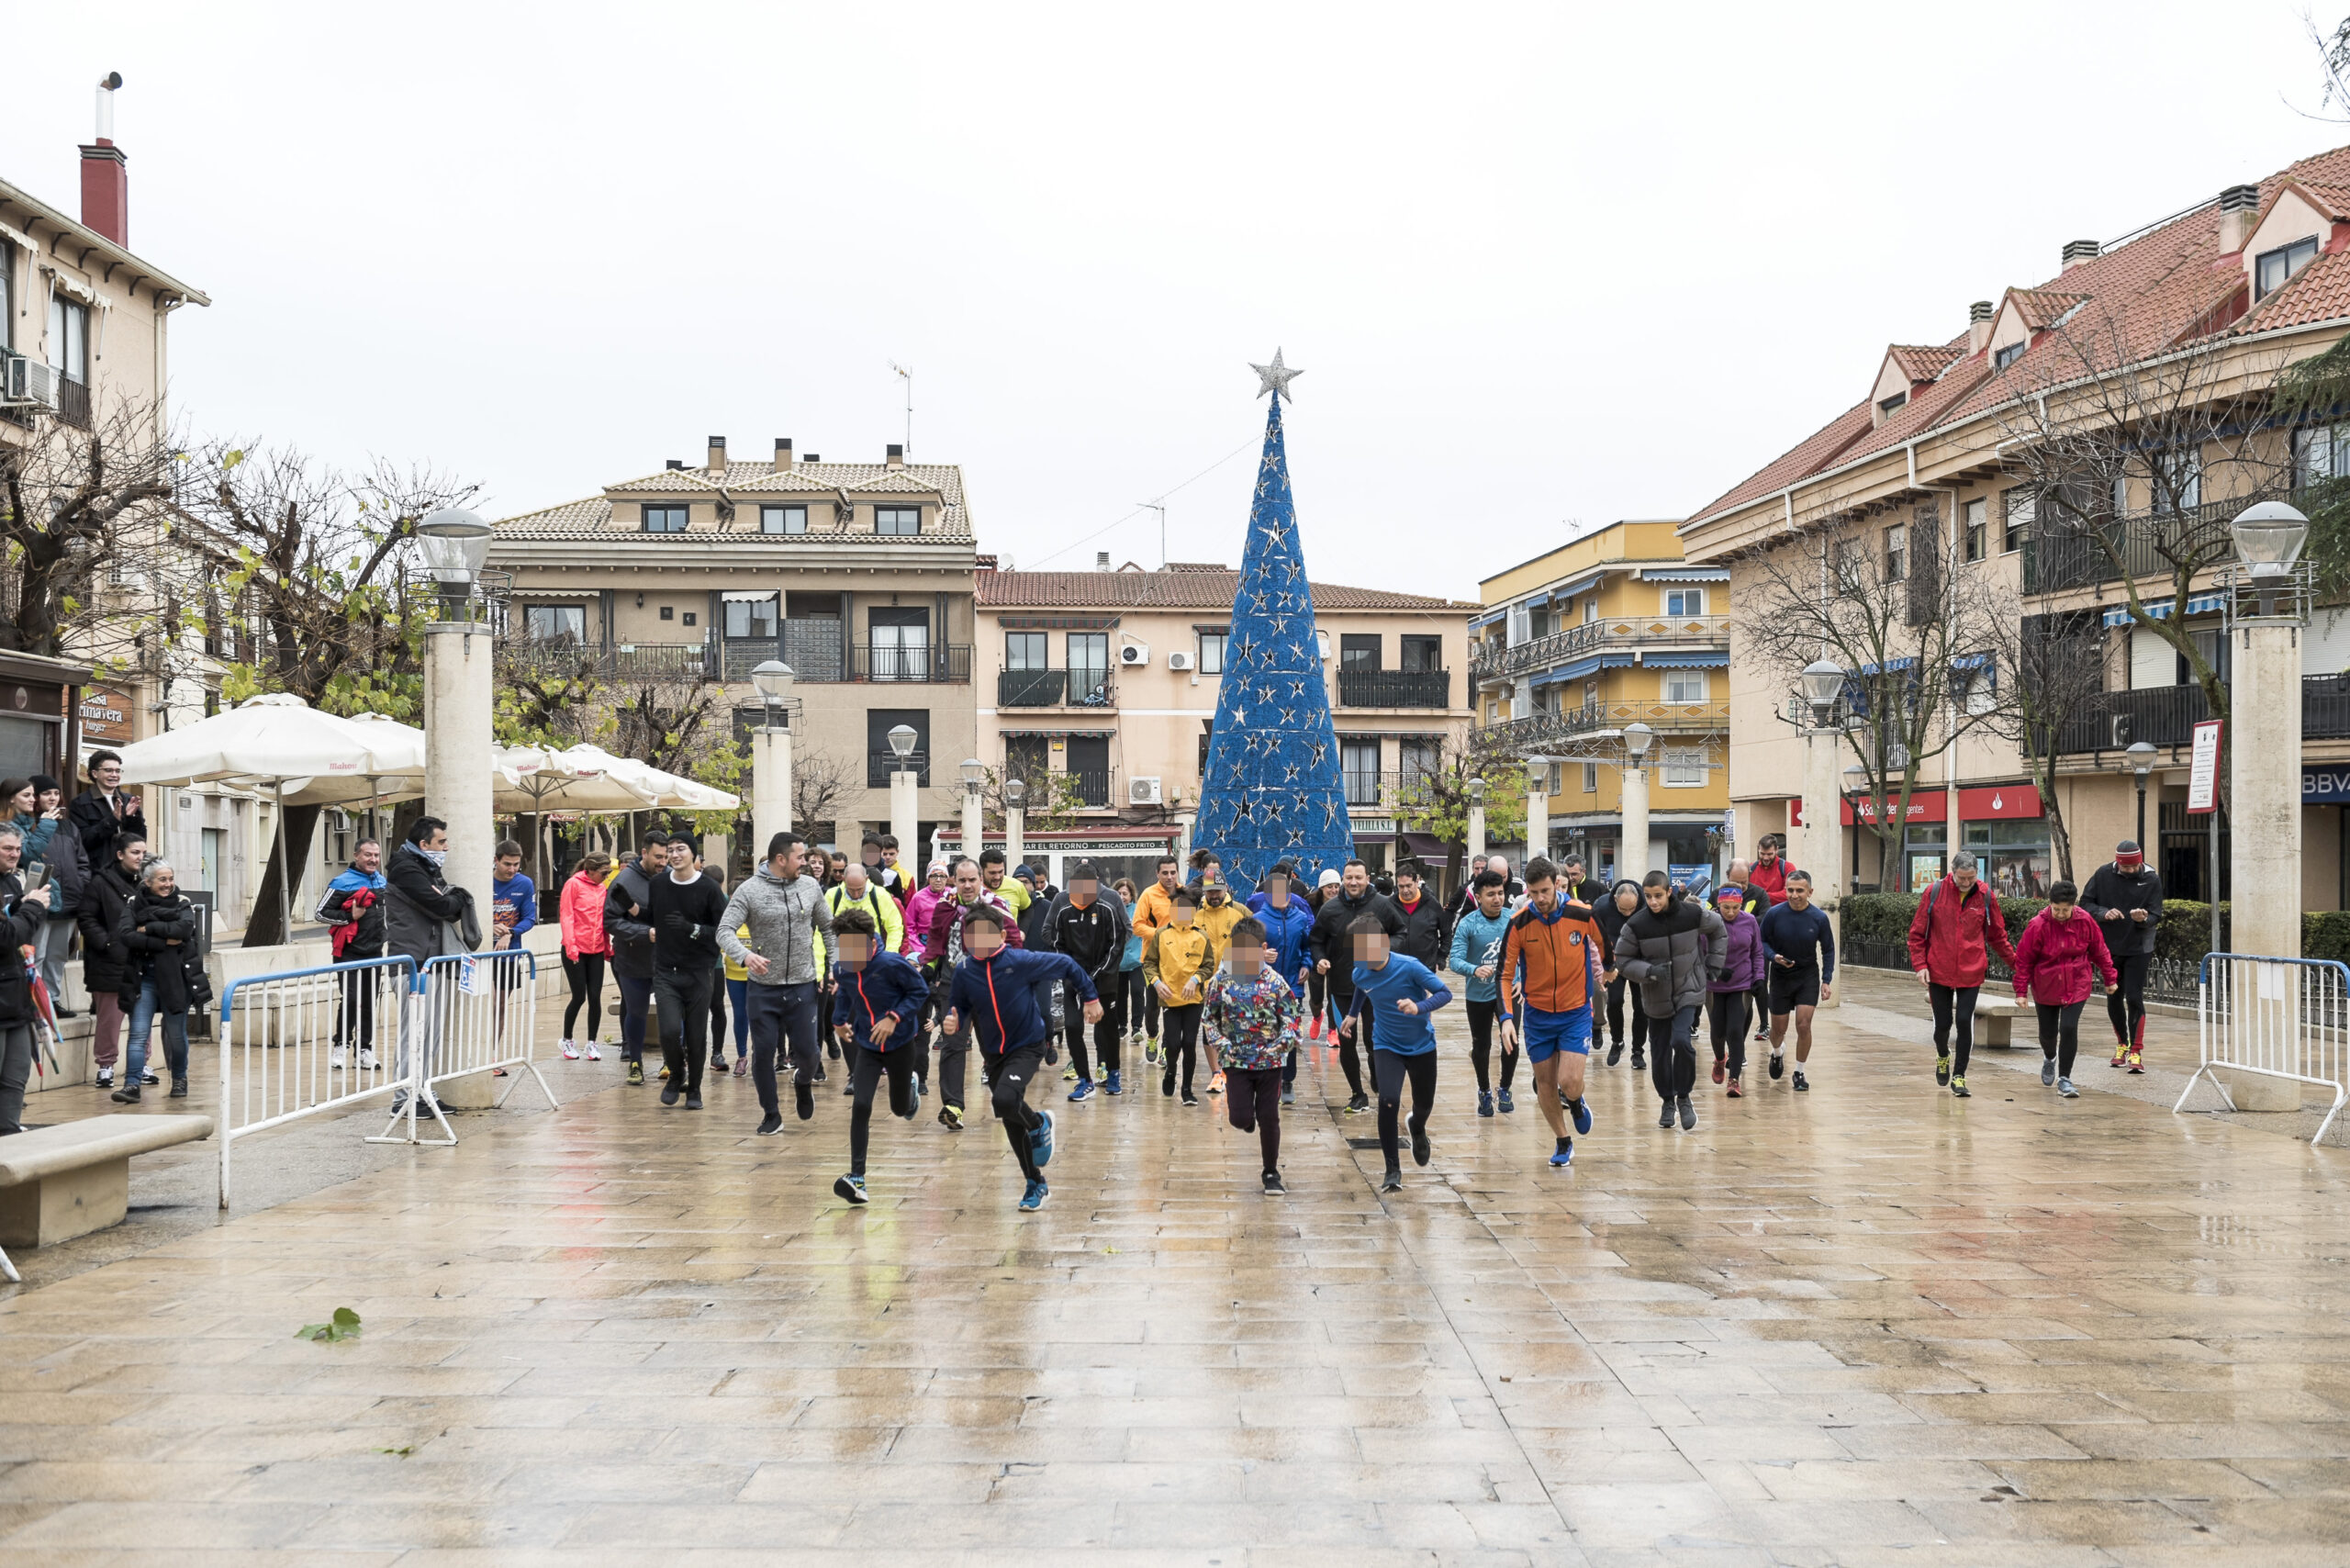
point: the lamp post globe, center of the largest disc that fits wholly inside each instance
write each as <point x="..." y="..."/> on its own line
<point x="901" y="741"/>
<point x="975" y="773"/>
<point x="2269" y="536"/>
<point x="1015" y="793"/>
<point x="2141" y="757"/>
<point x="1823" y="683"/>
<point x="454" y="543"/>
<point x="1637" y="737"/>
<point x="1476" y="791"/>
<point x="773" y="680"/>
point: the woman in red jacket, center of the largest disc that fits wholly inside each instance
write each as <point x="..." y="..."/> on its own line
<point x="584" y="946"/>
<point x="1957" y="927"/>
<point x="2053" y="964"/>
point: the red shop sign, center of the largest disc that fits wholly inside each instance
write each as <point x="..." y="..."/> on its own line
<point x="1985" y="802"/>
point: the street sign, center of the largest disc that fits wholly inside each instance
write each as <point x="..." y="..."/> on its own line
<point x="2203" y="777"/>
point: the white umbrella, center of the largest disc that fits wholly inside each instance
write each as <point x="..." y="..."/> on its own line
<point x="531" y="778"/>
<point x="659" y="788"/>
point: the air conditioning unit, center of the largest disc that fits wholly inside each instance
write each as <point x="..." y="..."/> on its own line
<point x="2120" y="725"/>
<point x="1142" y="791"/>
<point x="1135" y="654"/>
<point x="29" y="381"/>
<point x="1180" y="661"/>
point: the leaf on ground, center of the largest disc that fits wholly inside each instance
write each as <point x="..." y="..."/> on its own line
<point x="400" y="1453"/>
<point x="344" y="1325"/>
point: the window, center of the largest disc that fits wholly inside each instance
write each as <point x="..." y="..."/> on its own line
<point x="1591" y="610"/>
<point x="1212" y="652"/>
<point x="1025" y="650"/>
<point x="1088" y="669"/>
<point x="900" y="643"/>
<point x="1359" y="763"/>
<point x="879" y="760"/>
<point x="555" y="622"/>
<point x="2016" y="506"/>
<point x="69" y="338"/>
<point x="668" y="612"/>
<point x="2009" y="355"/>
<point x="8" y="292"/>
<point x="1423" y="655"/>
<point x="897" y="520"/>
<point x="1888" y="406"/>
<point x="1979" y="527"/>
<point x="751" y="618"/>
<point x="2276" y="268"/>
<point x="1089" y="769"/>
<point x="664" y="519"/>
<point x="1418" y="756"/>
<point x="2322" y="451"/>
<point x="1684" y="601"/>
<point x="1685" y="765"/>
<point x="1029" y="758"/>
<point x="1686" y="685"/>
<point x="1360" y="650"/>
<point x="690" y="617"/>
<point x="1896" y="553"/>
<point x="2177" y="482"/>
<point x="1850" y="560"/>
<point x="783" y="519"/>
<point x="1591" y="778"/>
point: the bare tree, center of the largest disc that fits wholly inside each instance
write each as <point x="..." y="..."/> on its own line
<point x="67" y="497"/>
<point x="821" y="783"/>
<point x="1437" y="802"/>
<point x="2051" y="679"/>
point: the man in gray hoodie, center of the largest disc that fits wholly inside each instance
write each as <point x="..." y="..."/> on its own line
<point x="785" y="915"/>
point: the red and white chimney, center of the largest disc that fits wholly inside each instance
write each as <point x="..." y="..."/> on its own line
<point x="105" y="179"/>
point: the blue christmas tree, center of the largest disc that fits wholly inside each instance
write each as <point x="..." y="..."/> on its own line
<point x="1274" y="791"/>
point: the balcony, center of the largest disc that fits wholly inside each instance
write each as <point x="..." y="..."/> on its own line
<point x="880" y="765"/>
<point x="1597" y="636"/>
<point x="2057" y="557"/>
<point x="1380" y="791"/>
<point x="1394" y="689"/>
<point x="817" y="661"/>
<point x="940" y="663"/>
<point x="1569" y="725"/>
<point x="1079" y="688"/>
<point x="2167" y="716"/>
<point x="1092" y="787"/>
<point x="73" y="403"/>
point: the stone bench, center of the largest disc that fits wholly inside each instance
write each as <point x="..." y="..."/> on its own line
<point x="1994" y="1017"/>
<point x="59" y="1183"/>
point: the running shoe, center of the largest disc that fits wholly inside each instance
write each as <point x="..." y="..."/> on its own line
<point x="366" y="1059"/>
<point x="1639" y="1060"/>
<point x="770" y="1125"/>
<point x="106" y="1078"/>
<point x="1735" y="1091"/>
<point x="1664" y="1118"/>
<point x="1167" y="1086"/>
<point x="637" y="1072"/>
<point x="1721" y="1070"/>
<point x="742" y="1065"/>
<point x="834" y="1046"/>
<point x="1484" y="1102"/>
<point x="2120" y="1055"/>
<point x="2047" y="1071"/>
<point x="669" y="1092"/>
<point x="1215" y="1084"/>
<point x="1069" y="1073"/>
<point x="593" y="1054"/>
<point x="1289" y="1095"/>
<point x="1393" y="1181"/>
<point x="1942" y="1070"/>
<point x="1190" y="1098"/>
<point x="850" y="1190"/>
<point x="570" y="1050"/>
<point x="1958" y="1087"/>
<point x="1034" y="1198"/>
<point x="1273" y="1188"/>
<point x="1581" y="1111"/>
<point x="803" y="1094"/>
<point x="1564" y="1155"/>
<point x="693" y="1101"/>
<point x="1803" y="1084"/>
<point x="665" y="1073"/>
<point x="334" y="1056"/>
<point x="1688" y="1113"/>
<point x="1762" y="1031"/>
<point x="1506" y="1104"/>
<point x="1564" y="1103"/>
<point x="1357" y="1104"/>
<point x="1314" y="1030"/>
<point x="1420" y="1145"/>
<point x="2137" y="1062"/>
<point x="951" y="1117"/>
<point x="1150" y="1049"/>
<point x="822" y="1076"/>
<point x="848" y="1089"/>
<point x="1778" y="1063"/>
<point x="1084" y="1088"/>
<point x="1040" y="1140"/>
<point x="148" y="1078"/>
<point x="2064" y="1087"/>
<point x="1110" y="1085"/>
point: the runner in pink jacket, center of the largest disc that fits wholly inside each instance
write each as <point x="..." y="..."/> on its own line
<point x="2054" y="964"/>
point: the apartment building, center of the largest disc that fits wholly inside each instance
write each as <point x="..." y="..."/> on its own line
<point x="1937" y="455"/>
<point x="1612" y="628"/>
<point x="856" y="574"/>
<point x="1110" y="678"/>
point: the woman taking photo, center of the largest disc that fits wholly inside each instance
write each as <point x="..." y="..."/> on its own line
<point x="2052" y="964"/>
<point x="584" y="948"/>
<point x="163" y="977"/>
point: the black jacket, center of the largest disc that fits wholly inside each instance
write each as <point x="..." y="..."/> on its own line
<point x="1426" y="933"/>
<point x="684" y="917"/>
<point x="1095" y="936"/>
<point x="94" y="821"/>
<point x="418" y="907"/>
<point x="631" y="935"/>
<point x="104" y="956"/>
<point x="151" y="922"/>
<point x="69" y="872"/>
<point x="1672" y="956"/>
<point x="2111" y="888"/>
<point x="23" y="922"/>
<point x="1328" y="942"/>
<point x="367" y="942"/>
<point x="1609" y="919"/>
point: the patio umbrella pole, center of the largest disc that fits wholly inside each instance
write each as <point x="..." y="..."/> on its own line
<point x="285" y="891"/>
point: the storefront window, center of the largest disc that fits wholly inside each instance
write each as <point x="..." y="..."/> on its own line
<point x="2014" y="856"/>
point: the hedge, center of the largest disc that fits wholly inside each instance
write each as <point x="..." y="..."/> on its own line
<point x="2183" y="936"/>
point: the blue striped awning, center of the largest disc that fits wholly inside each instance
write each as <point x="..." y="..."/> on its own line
<point x="2201" y="604"/>
<point x="1495" y="619"/>
<point x="1585" y="666"/>
<point x="1688" y="661"/>
<point x="1686" y="575"/>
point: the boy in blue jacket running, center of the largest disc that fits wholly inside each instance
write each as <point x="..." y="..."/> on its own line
<point x="878" y="1005"/>
<point x="1399" y="993"/>
<point x="997" y="988"/>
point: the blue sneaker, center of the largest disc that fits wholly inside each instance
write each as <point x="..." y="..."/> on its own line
<point x="1040" y="1142"/>
<point x="1565" y="1155"/>
<point x="1084" y="1088"/>
<point x="1583" y="1117"/>
<point x="1034" y="1198"/>
<point x="1110" y="1085"/>
<point x="1505" y="1104"/>
<point x="1484" y="1102"/>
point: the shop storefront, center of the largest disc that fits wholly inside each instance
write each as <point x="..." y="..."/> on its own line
<point x="39" y="712"/>
<point x="2005" y="828"/>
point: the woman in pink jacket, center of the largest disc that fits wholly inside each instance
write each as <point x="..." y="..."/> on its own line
<point x="2052" y="965"/>
<point x="584" y="946"/>
<point x="921" y="906"/>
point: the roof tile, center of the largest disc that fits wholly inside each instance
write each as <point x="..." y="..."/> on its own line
<point x="1188" y="589"/>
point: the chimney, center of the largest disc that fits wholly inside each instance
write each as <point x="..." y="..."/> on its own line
<point x="782" y="454"/>
<point x="2079" y="250"/>
<point x="1979" y="317"/>
<point x="677" y="464"/>
<point x="1101" y="560"/>
<point x="813" y="458"/>
<point x="718" y="454"/>
<point x="895" y="457"/>
<point x="106" y="182"/>
<point x="2239" y="206"/>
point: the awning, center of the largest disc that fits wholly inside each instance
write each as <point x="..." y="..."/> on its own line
<point x="2201" y="604"/>
<point x="1495" y="619"/>
<point x="1577" y="587"/>
<point x="1059" y="734"/>
<point x="750" y="598"/>
<point x="1970" y="661"/>
<point x="1905" y="662"/>
<point x="1686" y="575"/>
<point x="1688" y="661"/>
<point x="1059" y="622"/>
<point x="1537" y="600"/>
<point x="1585" y="666"/>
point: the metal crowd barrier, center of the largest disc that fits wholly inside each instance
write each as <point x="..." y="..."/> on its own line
<point x="2287" y="1018"/>
<point x="303" y="1041"/>
<point x="466" y="1013"/>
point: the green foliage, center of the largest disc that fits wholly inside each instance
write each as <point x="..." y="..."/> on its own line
<point x="2183" y="936"/>
<point x="344" y="1325"/>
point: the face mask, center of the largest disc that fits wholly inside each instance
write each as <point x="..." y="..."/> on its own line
<point x="439" y="858"/>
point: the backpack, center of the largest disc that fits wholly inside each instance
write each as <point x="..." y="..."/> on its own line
<point x="1935" y="892"/>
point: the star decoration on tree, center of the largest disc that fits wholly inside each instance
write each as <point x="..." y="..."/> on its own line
<point x="1275" y="378"/>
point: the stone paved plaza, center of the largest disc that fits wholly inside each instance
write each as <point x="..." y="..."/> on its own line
<point x="1870" y="1326"/>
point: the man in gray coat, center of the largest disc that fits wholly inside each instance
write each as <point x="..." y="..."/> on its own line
<point x="1672" y="948"/>
<point x="785" y="915"/>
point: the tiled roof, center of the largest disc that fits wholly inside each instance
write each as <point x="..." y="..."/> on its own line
<point x="1923" y="361"/>
<point x="591" y="519"/>
<point x="1186" y="590"/>
<point x="2152" y="292"/>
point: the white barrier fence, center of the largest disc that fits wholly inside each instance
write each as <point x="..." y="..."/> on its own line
<point x="2282" y="1018"/>
<point x="303" y="1042"/>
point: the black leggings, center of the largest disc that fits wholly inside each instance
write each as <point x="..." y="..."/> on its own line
<point x="1318" y="992"/>
<point x="1391" y="1067"/>
<point x="1365" y="1039"/>
<point x="1617" y="1001"/>
<point x="1481" y="1045"/>
<point x="864" y="1076"/>
<point x="1181" y="1042"/>
<point x="1954" y="1004"/>
<point x="1007" y="1078"/>
<point x="585" y="976"/>
<point x="2125" y="1003"/>
<point x="2060" y="1034"/>
<point x="1672" y="1060"/>
<point x="1252" y="1098"/>
<point x="1730" y="1017"/>
<point x="1106" y="1034"/>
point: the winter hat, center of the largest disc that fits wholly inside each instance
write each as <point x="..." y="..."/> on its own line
<point x="2128" y="855"/>
<point x="1328" y="879"/>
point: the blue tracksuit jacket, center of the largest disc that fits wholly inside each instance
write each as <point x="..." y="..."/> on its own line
<point x="997" y="996"/>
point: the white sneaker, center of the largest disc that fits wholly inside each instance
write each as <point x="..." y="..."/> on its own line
<point x="366" y="1059"/>
<point x="570" y="1050"/>
<point x="593" y="1054"/>
<point x="334" y="1056"/>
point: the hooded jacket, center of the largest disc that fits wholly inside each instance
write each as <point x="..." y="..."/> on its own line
<point x="1217" y="921"/>
<point x="918" y="913"/>
<point x="1551" y="962"/>
<point x="37" y="831"/>
<point x="2054" y="961"/>
<point x="23" y="924"/>
<point x="354" y="907"/>
<point x="1672" y="956"/>
<point x="889" y="915"/>
<point x="996" y="996"/>
<point x="582" y="914"/>
<point x="1743" y="958"/>
<point x="424" y="917"/>
<point x="105" y="955"/>
<point x="1330" y="944"/>
<point x="1477" y="941"/>
<point x="1428" y="930"/>
<point x="2111" y="888"/>
<point x="631" y="935"/>
<point x="1175" y="957"/>
<point x="885" y="984"/>
<point x="943" y="944"/>
<point x="1287" y="932"/>
<point x="787" y="922"/>
<point x="1954" y="935"/>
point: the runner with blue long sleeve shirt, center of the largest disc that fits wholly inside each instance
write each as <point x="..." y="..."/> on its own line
<point x="1801" y="946"/>
<point x="996" y="988"/>
<point x="878" y="1005"/>
<point x="1288" y="922"/>
<point x="1479" y="937"/>
<point x="1399" y="993"/>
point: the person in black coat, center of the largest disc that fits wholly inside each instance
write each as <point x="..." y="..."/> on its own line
<point x="104" y="956"/>
<point x="105" y="811"/>
<point x="25" y="914"/>
<point x="164" y="976"/>
<point x="2125" y="898"/>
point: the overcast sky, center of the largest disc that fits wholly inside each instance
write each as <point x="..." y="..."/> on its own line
<point x="1545" y="266"/>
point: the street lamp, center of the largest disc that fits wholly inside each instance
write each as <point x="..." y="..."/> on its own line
<point x="905" y="784"/>
<point x="2141" y="757"/>
<point x="1538" y="806"/>
<point x="771" y="758"/>
<point x="1823" y="683"/>
<point x="455" y="544"/>
<point x="1015" y="821"/>
<point x="460" y="697"/>
<point x="901" y="741"/>
<point x="2263" y="734"/>
<point x="975" y="773"/>
<point x="772" y="679"/>
<point x="1475" y="848"/>
<point x="2268" y="538"/>
<point x="1634" y="861"/>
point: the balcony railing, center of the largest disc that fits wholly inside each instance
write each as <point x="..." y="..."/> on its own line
<point x="1094" y="787"/>
<point x="936" y="663"/>
<point x="2167" y="716"/>
<point x="1380" y="791"/>
<point x="1079" y="688"/>
<point x="2066" y="554"/>
<point x="73" y="403"/>
<point x="817" y="661"/>
<point x="1620" y="632"/>
<point x="1536" y="731"/>
<point x="1394" y="689"/>
<point x="880" y="765"/>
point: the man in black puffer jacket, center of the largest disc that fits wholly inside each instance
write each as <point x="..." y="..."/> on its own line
<point x="1333" y="957"/>
<point x="2125" y="898"/>
<point x="105" y="957"/>
<point x="25" y="914"/>
<point x="1671" y="950"/>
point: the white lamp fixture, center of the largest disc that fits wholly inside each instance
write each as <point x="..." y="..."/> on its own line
<point x="1476" y="791"/>
<point x="454" y="543"/>
<point x="2141" y="757"/>
<point x="1637" y="737"/>
<point x="1015" y="792"/>
<point x="772" y="681"/>
<point x="901" y="741"/>
<point x="1823" y="683"/>
<point x="1537" y="775"/>
<point x="975" y="773"/>
<point x="2269" y="537"/>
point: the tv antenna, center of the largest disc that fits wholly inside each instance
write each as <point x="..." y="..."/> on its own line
<point x="1160" y="507"/>
<point x="907" y="373"/>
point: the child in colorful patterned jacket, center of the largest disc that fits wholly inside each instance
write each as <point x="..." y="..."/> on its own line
<point x="1252" y="1021"/>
